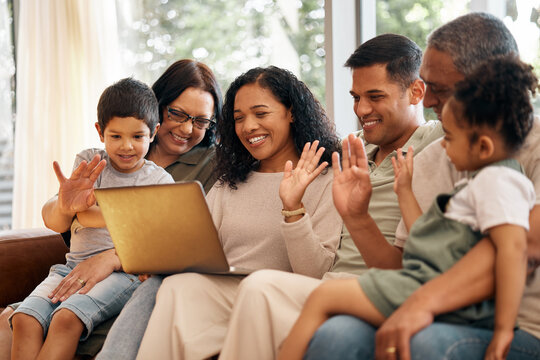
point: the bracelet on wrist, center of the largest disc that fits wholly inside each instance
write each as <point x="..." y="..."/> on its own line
<point x="287" y="213"/>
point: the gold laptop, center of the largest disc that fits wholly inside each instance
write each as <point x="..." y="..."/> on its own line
<point x="163" y="229"/>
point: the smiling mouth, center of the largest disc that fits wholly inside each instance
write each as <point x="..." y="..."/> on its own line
<point x="257" y="139"/>
<point x="126" y="157"/>
<point x="179" y="138"/>
<point x="368" y="123"/>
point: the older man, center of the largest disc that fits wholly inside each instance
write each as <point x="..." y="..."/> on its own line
<point x="453" y="51"/>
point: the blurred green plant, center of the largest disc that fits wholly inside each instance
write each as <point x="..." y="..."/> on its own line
<point x="230" y="36"/>
<point x="412" y="18"/>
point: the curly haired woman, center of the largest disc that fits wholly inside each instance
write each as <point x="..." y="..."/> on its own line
<point x="272" y="207"/>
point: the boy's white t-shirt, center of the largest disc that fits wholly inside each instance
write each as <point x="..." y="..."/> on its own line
<point x="86" y="242"/>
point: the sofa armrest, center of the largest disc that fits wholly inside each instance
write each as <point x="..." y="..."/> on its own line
<point x="25" y="258"/>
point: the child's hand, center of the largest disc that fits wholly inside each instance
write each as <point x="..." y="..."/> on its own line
<point x="403" y="170"/>
<point x="295" y="182"/>
<point x="500" y="345"/>
<point x="76" y="194"/>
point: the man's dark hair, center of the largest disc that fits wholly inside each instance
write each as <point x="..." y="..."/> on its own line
<point x="128" y="98"/>
<point x="400" y="54"/>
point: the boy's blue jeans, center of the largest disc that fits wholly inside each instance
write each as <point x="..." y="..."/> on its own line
<point x="346" y="337"/>
<point x="103" y="301"/>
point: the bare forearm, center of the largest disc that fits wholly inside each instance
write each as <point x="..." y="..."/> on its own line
<point x="91" y="218"/>
<point x="56" y="218"/>
<point x="410" y="210"/>
<point x="533" y="236"/>
<point x="371" y="243"/>
<point x="510" y="270"/>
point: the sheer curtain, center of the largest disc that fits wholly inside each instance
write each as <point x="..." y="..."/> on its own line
<point x="67" y="54"/>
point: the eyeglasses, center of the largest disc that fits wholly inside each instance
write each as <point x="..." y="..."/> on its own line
<point x="181" y="117"/>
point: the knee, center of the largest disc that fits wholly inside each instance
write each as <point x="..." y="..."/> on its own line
<point x="345" y="328"/>
<point x="173" y="280"/>
<point x="260" y="283"/>
<point x="22" y="322"/>
<point x="342" y="337"/>
<point x="5" y="334"/>
<point x="66" y="321"/>
<point x="4" y="323"/>
<point x="184" y="284"/>
<point x="450" y="341"/>
<point x="4" y="316"/>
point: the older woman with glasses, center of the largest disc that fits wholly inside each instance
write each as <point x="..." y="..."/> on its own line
<point x="272" y="207"/>
<point x="190" y="104"/>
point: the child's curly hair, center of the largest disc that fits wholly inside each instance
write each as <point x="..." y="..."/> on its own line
<point x="498" y="94"/>
<point x="234" y="162"/>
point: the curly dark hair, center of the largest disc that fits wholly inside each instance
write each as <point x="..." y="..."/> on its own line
<point x="498" y="95"/>
<point x="178" y="77"/>
<point x="234" y="162"/>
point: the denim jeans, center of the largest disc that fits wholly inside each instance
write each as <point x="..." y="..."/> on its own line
<point x="125" y="336"/>
<point x="346" y="337"/>
<point x="103" y="301"/>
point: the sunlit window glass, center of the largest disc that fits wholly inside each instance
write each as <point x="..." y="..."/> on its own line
<point x="417" y="18"/>
<point x="7" y="71"/>
<point x="229" y="36"/>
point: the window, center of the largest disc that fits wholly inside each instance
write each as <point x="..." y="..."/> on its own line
<point x="523" y="20"/>
<point x="231" y="37"/>
<point x="6" y="112"/>
<point x="417" y="18"/>
<point x="312" y="38"/>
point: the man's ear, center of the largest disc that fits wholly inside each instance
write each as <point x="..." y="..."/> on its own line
<point x="155" y="133"/>
<point x="417" y="90"/>
<point x="486" y="147"/>
<point x="100" y="133"/>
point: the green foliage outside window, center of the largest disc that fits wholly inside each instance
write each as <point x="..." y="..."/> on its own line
<point x="230" y="36"/>
<point x="412" y="18"/>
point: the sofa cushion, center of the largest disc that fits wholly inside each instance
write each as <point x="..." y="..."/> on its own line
<point x="25" y="259"/>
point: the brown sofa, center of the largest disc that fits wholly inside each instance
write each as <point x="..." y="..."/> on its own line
<point x="25" y="259"/>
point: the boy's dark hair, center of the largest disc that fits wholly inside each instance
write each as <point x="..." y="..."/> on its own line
<point x="234" y="162"/>
<point x="128" y="98"/>
<point x="400" y="54"/>
<point x="178" y="77"/>
<point x="498" y="94"/>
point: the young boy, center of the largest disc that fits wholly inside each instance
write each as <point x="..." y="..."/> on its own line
<point x="485" y="123"/>
<point x="128" y="120"/>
